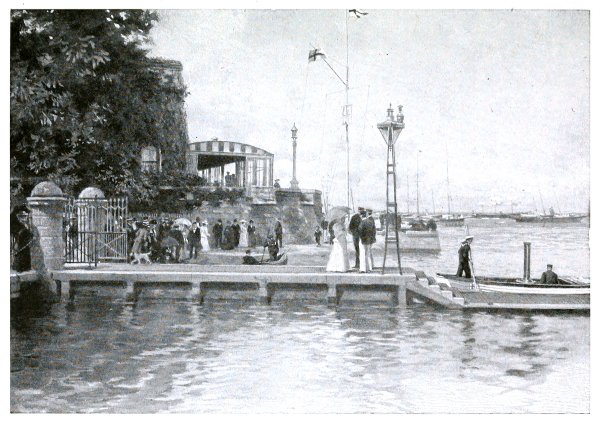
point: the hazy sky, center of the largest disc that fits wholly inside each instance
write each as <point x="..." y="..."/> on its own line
<point x="506" y="92"/>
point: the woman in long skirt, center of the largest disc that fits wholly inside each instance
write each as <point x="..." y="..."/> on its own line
<point x="204" y="235"/>
<point x="338" y="258"/>
<point x="243" y="234"/>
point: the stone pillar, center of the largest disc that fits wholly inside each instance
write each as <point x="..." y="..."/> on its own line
<point x="332" y="294"/>
<point x="47" y="250"/>
<point x="402" y="297"/>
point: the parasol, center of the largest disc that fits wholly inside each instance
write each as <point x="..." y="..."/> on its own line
<point x="337" y="212"/>
<point x="182" y="222"/>
<point x="169" y="242"/>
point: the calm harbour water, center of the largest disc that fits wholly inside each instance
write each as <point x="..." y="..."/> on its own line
<point x="101" y="355"/>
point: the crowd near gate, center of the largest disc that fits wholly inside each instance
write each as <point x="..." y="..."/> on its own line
<point x="95" y="229"/>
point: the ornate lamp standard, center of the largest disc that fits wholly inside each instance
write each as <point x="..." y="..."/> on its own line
<point x="390" y="130"/>
<point x="294" y="182"/>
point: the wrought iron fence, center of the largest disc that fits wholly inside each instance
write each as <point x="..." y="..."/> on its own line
<point x="95" y="230"/>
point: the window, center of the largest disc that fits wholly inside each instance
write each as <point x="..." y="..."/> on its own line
<point x="151" y="159"/>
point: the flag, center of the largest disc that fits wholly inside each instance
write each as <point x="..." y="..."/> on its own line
<point x="357" y="13"/>
<point x="313" y="54"/>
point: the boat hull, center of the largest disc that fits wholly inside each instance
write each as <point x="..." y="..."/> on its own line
<point x="503" y="293"/>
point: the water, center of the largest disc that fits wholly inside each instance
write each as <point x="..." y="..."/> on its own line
<point x="101" y="355"/>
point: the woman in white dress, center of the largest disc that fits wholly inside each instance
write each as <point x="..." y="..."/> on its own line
<point x="204" y="235"/>
<point x="338" y="257"/>
<point x="243" y="234"/>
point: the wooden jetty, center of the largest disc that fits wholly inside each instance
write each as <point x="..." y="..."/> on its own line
<point x="271" y="283"/>
<point x="226" y="281"/>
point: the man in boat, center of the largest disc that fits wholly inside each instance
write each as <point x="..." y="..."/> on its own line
<point x="353" y="228"/>
<point x="549" y="276"/>
<point x="272" y="247"/>
<point x="464" y="258"/>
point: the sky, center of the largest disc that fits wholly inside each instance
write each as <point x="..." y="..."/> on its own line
<point x="505" y="93"/>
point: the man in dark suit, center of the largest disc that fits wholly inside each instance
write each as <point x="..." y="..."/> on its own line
<point x="218" y="233"/>
<point x="236" y="230"/>
<point x="278" y="233"/>
<point x="194" y="238"/>
<point x="366" y="232"/>
<point x="464" y="258"/>
<point x="353" y="228"/>
<point x="228" y="237"/>
<point x="549" y="276"/>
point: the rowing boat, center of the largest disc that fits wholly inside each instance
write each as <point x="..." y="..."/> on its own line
<point x="504" y="292"/>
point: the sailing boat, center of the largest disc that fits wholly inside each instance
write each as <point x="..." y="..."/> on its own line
<point x="550" y="216"/>
<point x="450" y="219"/>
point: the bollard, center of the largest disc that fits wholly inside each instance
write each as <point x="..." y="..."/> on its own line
<point x="527" y="261"/>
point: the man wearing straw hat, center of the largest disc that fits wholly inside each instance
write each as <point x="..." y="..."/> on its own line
<point x="464" y="258"/>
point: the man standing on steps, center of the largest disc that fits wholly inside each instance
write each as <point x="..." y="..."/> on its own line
<point x="353" y="228"/>
<point x="464" y="258"/>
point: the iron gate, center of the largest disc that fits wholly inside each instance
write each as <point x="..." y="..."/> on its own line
<point x="95" y="230"/>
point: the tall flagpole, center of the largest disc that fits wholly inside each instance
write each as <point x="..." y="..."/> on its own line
<point x="347" y="117"/>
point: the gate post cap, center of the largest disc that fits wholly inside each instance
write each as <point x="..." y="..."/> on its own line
<point x="46" y="189"/>
<point x="91" y="193"/>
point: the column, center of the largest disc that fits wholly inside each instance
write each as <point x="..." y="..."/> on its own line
<point x="47" y="249"/>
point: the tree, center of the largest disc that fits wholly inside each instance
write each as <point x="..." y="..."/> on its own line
<point x="85" y="99"/>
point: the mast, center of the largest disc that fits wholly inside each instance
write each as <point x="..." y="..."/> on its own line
<point x="347" y="118"/>
<point x="418" y="213"/>
<point x="542" y="202"/>
<point x="407" y="196"/>
<point x="447" y="179"/>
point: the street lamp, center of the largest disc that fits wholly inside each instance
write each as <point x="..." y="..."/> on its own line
<point x="294" y="182"/>
<point x="390" y="129"/>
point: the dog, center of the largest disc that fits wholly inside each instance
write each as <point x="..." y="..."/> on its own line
<point x="139" y="258"/>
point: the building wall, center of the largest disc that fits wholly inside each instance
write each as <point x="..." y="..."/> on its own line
<point x="175" y="139"/>
<point x="298" y="218"/>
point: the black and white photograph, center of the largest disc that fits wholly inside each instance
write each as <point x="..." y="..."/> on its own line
<point x="327" y="208"/>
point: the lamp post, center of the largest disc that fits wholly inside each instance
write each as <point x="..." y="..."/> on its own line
<point x="294" y="182"/>
<point x="390" y="130"/>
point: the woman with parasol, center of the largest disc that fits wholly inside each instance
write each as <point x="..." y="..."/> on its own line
<point x="338" y="257"/>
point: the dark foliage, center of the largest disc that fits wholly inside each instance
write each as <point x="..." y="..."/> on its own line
<point x="85" y="100"/>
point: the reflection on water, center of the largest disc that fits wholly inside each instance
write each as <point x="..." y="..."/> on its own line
<point x="182" y="357"/>
<point x="100" y="355"/>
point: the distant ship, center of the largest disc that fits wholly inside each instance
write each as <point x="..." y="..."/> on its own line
<point x="549" y="218"/>
<point x="450" y="220"/>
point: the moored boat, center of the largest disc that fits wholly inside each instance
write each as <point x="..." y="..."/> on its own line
<point x="504" y="292"/>
<point x="281" y="260"/>
<point x="556" y="218"/>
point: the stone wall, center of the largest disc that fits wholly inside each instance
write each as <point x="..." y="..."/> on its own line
<point x="298" y="217"/>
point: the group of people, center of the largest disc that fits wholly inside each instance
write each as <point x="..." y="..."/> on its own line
<point x="362" y="227"/>
<point x="170" y="241"/>
<point x="165" y="240"/>
<point x="234" y="234"/>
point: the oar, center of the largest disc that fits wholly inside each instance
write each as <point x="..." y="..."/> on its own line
<point x="474" y="285"/>
<point x="263" y="255"/>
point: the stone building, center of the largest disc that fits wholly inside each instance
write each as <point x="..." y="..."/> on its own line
<point x="169" y="152"/>
<point x="235" y="166"/>
<point x="249" y="169"/>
